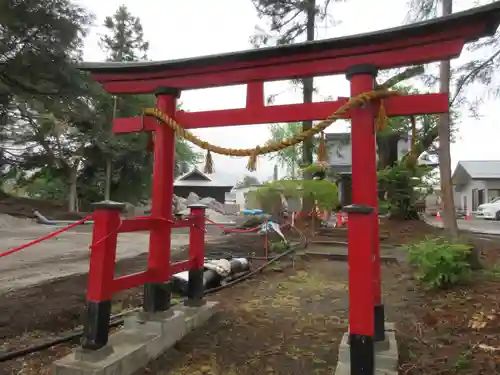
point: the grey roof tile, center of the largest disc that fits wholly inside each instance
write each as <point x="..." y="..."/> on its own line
<point x="478" y="169"/>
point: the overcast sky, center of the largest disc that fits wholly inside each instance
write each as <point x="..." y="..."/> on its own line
<point x="189" y="28"/>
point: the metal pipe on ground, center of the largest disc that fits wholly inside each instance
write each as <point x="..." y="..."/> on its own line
<point x="216" y="271"/>
<point x="43" y="220"/>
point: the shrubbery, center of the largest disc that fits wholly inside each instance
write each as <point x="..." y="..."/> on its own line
<point x="439" y="263"/>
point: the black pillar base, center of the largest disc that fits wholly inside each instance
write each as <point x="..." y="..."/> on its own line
<point x="362" y="355"/>
<point x="195" y="289"/>
<point x="379" y="316"/>
<point x="156" y="297"/>
<point x="96" y="325"/>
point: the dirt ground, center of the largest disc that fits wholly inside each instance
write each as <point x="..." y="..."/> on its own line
<point x="454" y="331"/>
<point x="288" y="321"/>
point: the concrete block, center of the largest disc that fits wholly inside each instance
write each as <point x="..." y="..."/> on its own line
<point x="144" y="338"/>
<point x="386" y="354"/>
<point x="196" y="316"/>
<point x="344" y="369"/>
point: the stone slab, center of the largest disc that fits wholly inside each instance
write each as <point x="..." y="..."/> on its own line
<point x="143" y="338"/>
<point x="344" y="369"/>
<point x="386" y="354"/>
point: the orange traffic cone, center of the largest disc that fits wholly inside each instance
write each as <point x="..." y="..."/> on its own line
<point x="467" y="215"/>
<point x="346" y="219"/>
<point x="438" y="216"/>
<point x="340" y="220"/>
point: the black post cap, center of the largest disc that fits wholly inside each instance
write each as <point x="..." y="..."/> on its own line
<point x="358" y="209"/>
<point x="163" y="90"/>
<point x="198" y="205"/>
<point x="110" y="205"/>
<point x="361" y="69"/>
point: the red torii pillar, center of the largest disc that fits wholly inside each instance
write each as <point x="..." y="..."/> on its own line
<point x="156" y="296"/>
<point x="366" y="310"/>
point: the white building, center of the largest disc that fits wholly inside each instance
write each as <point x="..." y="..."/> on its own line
<point x="340" y="150"/>
<point x="476" y="182"/>
<point x="241" y="196"/>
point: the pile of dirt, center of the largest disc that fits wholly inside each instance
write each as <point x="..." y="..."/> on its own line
<point x="12" y="222"/>
<point x="401" y="232"/>
<point x="24" y="207"/>
<point x="393" y="232"/>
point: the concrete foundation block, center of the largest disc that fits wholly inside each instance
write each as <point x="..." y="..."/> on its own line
<point x="144" y="338"/>
<point x="344" y="369"/>
<point x="386" y="354"/>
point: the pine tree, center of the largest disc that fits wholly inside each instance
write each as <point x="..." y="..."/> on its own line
<point x="293" y="21"/>
<point x="125" y="41"/>
<point x="127" y="162"/>
<point x="39" y="41"/>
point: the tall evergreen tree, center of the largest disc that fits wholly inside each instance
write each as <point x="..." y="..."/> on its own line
<point x="128" y="162"/>
<point x="289" y="22"/>
<point x="39" y="42"/>
<point x="125" y="41"/>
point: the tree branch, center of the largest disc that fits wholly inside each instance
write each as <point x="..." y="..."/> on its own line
<point x="472" y="74"/>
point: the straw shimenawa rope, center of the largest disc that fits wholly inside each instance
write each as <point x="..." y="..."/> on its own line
<point x="357" y="101"/>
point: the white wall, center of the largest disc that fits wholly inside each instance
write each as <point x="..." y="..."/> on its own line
<point x="487" y="185"/>
<point x="240" y="196"/>
<point x="340" y="151"/>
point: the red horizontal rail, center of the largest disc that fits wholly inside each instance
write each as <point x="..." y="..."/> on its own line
<point x="183" y="265"/>
<point x="395" y="106"/>
<point x="130" y="281"/>
<point x="137" y="225"/>
<point x="416" y="54"/>
<point x="182" y="223"/>
<point x="149" y="223"/>
<point x="141" y="278"/>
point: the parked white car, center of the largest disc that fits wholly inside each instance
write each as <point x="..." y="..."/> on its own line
<point x="489" y="211"/>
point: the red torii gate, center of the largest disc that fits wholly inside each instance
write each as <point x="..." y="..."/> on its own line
<point x="359" y="57"/>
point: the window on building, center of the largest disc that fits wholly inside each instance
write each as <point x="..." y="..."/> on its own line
<point x="493" y="193"/>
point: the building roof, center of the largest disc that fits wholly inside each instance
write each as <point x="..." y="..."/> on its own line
<point x="338" y="168"/>
<point x="208" y="180"/>
<point x="478" y="169"/>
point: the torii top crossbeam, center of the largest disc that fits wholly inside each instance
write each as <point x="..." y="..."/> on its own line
<point x="434" y="40"/>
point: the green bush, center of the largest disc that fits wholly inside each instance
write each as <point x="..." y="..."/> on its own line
<point x="439" y="263"/>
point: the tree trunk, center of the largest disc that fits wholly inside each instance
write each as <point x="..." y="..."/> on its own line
<point x="107" y="183"/>
<point x="307" y="95"/>
<point x="387" y="145"/>
<point x="449" y="218"/>
<point x="109" y="164"/>
<point x="72" y="194"/>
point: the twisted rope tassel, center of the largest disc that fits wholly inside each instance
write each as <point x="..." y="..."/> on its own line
<point x="209" y="163"/>
<point x="322" y="153"/>
<point x="252" y="160"/>
<point x="382" y="120"/>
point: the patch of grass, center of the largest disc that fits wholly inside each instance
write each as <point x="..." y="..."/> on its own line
<point x="494" y="272"/>
<point x="463" y="361"/>
<point x="440" y="263"/>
